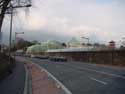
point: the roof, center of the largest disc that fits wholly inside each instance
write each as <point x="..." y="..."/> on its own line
<point x="35" y="49"/>
<point x="44" y="47"/>
<point x="74" y="42"/>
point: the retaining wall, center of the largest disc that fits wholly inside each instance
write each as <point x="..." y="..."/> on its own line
<point x="111" y="57"/>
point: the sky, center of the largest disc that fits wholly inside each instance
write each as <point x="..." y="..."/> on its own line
<point x="99" y="20"/>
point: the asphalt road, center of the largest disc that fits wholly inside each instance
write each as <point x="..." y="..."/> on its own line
<point x="82" y="78"/>
<point x="14" y="83"/>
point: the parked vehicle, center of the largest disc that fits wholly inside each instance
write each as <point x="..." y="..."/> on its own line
<point x="41" y="57"/>
<point x="58" y="59"/>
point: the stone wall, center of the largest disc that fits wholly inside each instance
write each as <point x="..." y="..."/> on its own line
<point x="111" y="57"/>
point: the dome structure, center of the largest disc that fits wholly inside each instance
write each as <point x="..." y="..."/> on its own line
<point x="35" y="49"/>
<point x="44" y="47"/>
<point x="74" y="43"/>
<point x="51" y="45"/>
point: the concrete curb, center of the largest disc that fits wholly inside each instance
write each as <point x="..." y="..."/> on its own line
<point x="59" y="84"/>
<point x="27" y="87"/>
<point x="26" y="80"/>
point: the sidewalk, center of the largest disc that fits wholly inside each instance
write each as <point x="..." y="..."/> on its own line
<point x="14" y="83"/>
<point x="41" y="82"/>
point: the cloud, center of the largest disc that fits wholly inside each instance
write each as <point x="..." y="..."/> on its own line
<point x="36" y="22"/>
<point x="97" y="19"/>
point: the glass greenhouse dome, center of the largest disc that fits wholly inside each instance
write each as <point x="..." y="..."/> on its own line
<point x="74" y="42"/>
<point x="35" y="49"/>
<point x="44" y="47"/>
<point x="52" y="45"/>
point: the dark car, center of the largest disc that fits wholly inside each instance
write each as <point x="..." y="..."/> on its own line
<point x="58" y="59"/>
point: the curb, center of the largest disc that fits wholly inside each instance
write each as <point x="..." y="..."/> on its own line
<point x="59" y="84"/>
<point x="26" y="80"/>
<point x="27" y="86"/>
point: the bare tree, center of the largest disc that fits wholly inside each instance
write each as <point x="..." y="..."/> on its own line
<point x="5" y="7"/>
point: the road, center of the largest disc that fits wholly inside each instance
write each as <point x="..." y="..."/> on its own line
<point x="83" y="78"/>
<point x="14" y="83"/>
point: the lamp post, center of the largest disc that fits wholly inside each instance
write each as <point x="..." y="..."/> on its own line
<point x="86" y="39"/>
<point x="11" y="24"/>
<point x="123" y="42"/>
<point x="17" y="33"/>
<point x="10" y="37"/>
<point x="0" y="41"/>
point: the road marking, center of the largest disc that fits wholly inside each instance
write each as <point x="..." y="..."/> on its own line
<point x="101" y="72"/>
<point x="54" y="78"/>
<point x="102" y="82"/>
<point x="57" y="66"/>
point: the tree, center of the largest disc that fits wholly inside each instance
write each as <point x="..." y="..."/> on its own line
<point x="5" y="7"/>
<point x="96" y="44"/>
<point x="22" y="44"/>
<point x="89" y="44"/>
<point x="122" y="47"/>
<point x="35" y="42"/>
<point x="64" y="45"/>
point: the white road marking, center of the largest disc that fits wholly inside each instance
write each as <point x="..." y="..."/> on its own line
<point x="102" y="82"/>
<point x="101" y="72"/>
<point x="67" y="91"/>
<point x="57" y="66"/>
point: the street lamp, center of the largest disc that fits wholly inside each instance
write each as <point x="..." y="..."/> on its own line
<point x="17" y="33"/>
<point x="86" y="39"/>
<point x="123" y="41"/>
<point x="11" y="19"/>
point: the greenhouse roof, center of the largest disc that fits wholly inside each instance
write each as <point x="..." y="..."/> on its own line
<point x="35" y="49"/>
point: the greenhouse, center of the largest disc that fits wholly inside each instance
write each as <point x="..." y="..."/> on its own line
<point x="52" y="45"/>
<point x="74" y="43"/>
<point x="48" y="45"/>
<point x="34" y="49"/>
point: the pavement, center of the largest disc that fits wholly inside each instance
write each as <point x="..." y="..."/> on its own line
<point x="14" y="83"/>
<point x="28" y="78"/>
<point x="39" y="81"/>
<point x="83" y="78"/>
<point x="75" y="77"/>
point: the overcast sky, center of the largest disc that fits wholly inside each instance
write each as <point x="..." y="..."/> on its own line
<point x="100" y="20"/>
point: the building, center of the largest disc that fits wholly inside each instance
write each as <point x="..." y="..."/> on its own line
<point x="74" y="43"/>
<point x="112" y="45"/>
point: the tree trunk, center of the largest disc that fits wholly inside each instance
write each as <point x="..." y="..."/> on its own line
<point x="3" y="10"/>
<point x="1" y="22"/>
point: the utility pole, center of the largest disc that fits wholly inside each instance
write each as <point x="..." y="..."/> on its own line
<point x="11" y="24"/>
<point x="10" y="37"/>
<point x="123" y="41"/>
<point x="0" y="41"/>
